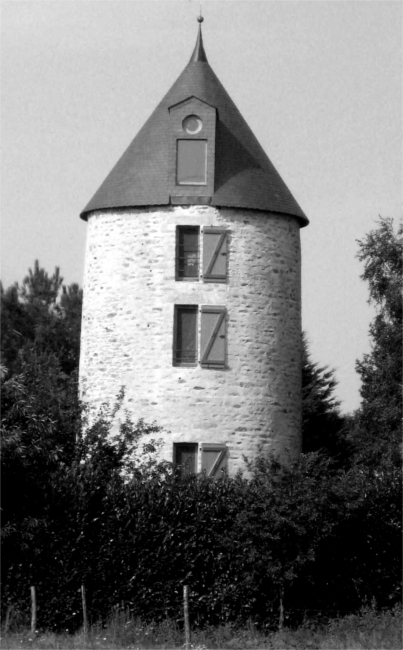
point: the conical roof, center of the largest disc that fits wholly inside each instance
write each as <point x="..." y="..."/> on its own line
<point x="244" y="176"/>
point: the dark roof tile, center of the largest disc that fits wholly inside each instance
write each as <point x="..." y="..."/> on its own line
<point x="244" y="175"/>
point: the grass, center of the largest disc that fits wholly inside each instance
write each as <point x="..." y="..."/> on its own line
<point x="369" y="630"/>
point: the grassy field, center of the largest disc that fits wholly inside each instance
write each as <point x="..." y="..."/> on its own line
<point x="369" y="630"/>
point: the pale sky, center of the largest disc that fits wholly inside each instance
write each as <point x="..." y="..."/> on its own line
<point x="318" y="82"/>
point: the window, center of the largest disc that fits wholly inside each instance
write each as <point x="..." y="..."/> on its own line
<point x="213" y="460"/>
<point x="215" y="244"/>
<point x="191" y="144"/>
<point x="185" y="335"/>
<point x="192" y="124"/>
<point x="213" y="336"/>
<point x="187" y="253"/>
<point x="185" y="458"/>
<point x="191" y="162"/>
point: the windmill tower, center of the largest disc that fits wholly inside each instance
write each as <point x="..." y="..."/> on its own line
<point x="192" y="296"/>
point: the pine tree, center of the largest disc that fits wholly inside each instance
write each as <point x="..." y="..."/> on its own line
<point x="322" y="423"/>
<point x="39" y="398"/>
<point x="40" y="317"/>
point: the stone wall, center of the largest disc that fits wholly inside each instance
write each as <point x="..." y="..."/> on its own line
<point x="127" y="331"/>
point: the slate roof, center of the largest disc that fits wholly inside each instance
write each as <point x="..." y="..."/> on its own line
<point x="244" y="175"/>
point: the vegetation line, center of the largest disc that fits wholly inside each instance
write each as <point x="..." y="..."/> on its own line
<point x="289" y="547"/>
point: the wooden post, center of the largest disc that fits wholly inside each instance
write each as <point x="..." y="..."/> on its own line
<point x="84" y="604"/>
<point x="186" y="616"/>
<point x="33" y="610"/>
<point x="8" y="618"/>
<point x="281" y="616"/>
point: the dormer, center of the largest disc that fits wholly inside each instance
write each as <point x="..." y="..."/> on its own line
<point x="195" y="148"/>
<point x="192" y="129"/>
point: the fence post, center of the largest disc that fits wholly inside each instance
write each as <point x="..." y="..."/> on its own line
<point x="8" y="618"/>
<point x="281" y="614"/>
<point x="84" y="605"/>
<point x="186" y="616"/>
<point x="33" y="610"/>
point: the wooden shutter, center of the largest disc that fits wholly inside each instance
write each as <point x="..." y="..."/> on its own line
<point x="214" y="254"/>
<point x="214" y="459"/>
<point x="213" y="336"/>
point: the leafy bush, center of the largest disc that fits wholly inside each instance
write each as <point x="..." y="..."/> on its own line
<point x="134" y="534"/>
<point x="291" y="543"/>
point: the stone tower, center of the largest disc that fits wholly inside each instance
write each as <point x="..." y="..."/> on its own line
<point x="192" y="296"/>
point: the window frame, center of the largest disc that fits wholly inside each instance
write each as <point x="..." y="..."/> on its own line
<point x="201" y="355"/>
<point x="180" y="229"/>
<point x="196" y="449"/>
<point x="203" y="273"/>
<point x="175" y="362"/>
<point x="219" y="467"/>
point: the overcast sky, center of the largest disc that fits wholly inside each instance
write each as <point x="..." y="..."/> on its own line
<point x="318" y="82"/>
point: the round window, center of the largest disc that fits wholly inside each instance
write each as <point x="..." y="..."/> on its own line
<point x="192" y="124"/>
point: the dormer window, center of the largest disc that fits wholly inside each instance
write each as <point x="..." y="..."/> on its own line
<point x="192" y="125"/>
<point x="191" y="162"/>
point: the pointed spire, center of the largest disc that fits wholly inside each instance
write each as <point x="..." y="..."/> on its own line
<point x="244" y="177"/>
<point x="199" y="53"/>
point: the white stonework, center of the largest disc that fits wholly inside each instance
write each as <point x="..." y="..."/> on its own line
<point x="127" y="330"/>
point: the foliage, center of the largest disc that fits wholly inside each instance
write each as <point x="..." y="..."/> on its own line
<point x="100" y="510"/>
<point x="42" y="317"/>
<point x="39" y="410"/>
<point x="37" y="440"/>
<point x="377" y="432"/>
<point x="134" y="533"/>
<point x="39" y="403"/>
<point x="323" y="427"/>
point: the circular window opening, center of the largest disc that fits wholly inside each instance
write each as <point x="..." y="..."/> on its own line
<point x="192" y="124"/>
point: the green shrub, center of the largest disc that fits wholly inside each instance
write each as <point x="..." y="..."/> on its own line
<point x="276" y="549"/>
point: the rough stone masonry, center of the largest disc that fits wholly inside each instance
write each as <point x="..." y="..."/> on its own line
<point x="130" y="291"/>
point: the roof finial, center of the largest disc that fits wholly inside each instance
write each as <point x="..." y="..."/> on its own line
<point x="199" y="53"/>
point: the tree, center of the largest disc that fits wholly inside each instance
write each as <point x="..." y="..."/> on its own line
<point x="40" y="339"/>
<point x="39" y="401"/>
<point x="16" y="327"/>
<point x="41" y="317"/>
<point x="322" y="423"/>
<point x="40" y="421"/>
<point x="377" y="433"/>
